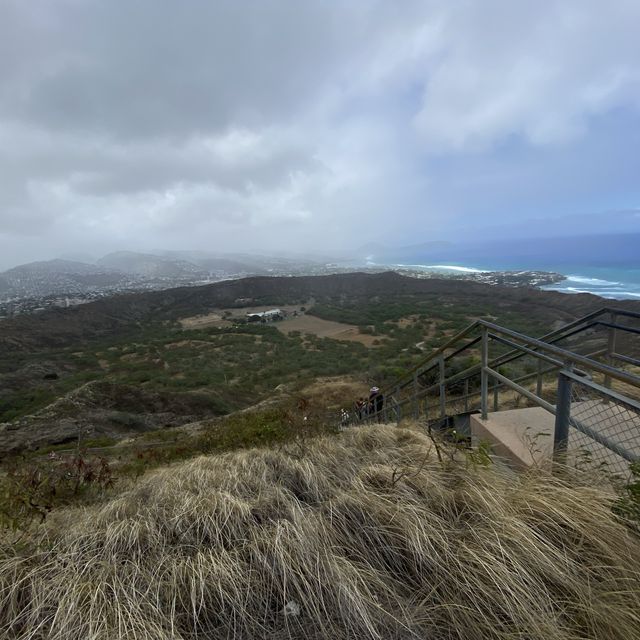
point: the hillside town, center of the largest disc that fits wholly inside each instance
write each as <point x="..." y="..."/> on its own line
<point x="34" y="287"/>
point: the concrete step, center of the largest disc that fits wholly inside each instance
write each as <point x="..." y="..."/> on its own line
<point x="524" y="437"/>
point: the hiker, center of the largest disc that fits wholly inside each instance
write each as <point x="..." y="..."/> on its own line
<point x="376" y="401"/>
<point x="379" y="402"/>
<point x="361" y="406"/>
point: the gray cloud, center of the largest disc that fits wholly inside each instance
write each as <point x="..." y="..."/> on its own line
<point x="235" y="125"/>
<point x="150" y="68"/>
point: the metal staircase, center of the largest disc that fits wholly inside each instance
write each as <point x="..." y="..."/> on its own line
<point x="584" y="379"/>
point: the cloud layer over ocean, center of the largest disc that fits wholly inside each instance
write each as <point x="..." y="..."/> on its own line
<point x="288" y="125"/>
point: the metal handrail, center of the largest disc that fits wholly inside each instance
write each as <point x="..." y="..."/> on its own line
<point x="554" y="336"/>
<point x="571" y="366"/>
<point x="568" y="356"/>
<point x="564" y="356"/>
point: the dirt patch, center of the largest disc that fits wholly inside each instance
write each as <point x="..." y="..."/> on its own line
<point x="325" y="329"/>
<point x="206" y="320"/>
<point x="406" y="321"/>
<point x="354" y="335"/>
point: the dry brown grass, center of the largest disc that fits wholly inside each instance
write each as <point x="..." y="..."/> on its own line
<point x="308" y="324"/>
<point x="366" y="533"/>
<point x="335" y="391"/>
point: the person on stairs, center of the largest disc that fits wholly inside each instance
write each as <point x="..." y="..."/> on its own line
<point x="376" y="401"/>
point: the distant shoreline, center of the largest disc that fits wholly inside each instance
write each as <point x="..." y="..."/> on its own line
<point x="615" y="284"/>
<point x="514" y="278"/>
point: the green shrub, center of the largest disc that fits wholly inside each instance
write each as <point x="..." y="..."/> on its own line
<point x="30" y="490"/>
<point x="126" y="419"/>
<point x="628" y="505"/>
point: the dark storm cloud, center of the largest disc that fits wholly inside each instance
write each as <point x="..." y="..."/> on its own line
<point x="149" y="68"/>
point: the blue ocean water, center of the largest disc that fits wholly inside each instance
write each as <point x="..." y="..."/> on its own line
<point x="618" y="283"/>
<point x="606" y="282"/>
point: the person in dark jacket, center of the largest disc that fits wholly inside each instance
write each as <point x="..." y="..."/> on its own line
<point x="376" y="401"/>
<point x="379" y="402"/>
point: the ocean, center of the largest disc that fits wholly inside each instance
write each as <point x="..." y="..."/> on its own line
<point x="607" y="281"/>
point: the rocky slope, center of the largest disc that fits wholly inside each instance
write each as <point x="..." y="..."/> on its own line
<point x="102" y="409"/>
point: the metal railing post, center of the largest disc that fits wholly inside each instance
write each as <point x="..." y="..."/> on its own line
<point x="611" y="349"/>
<point x="484" y="376"/>
<point x="443" y="399"/>
<point x="539" y="378"/>
<point x="416" y="405"/>
<point x="563" y="417"/>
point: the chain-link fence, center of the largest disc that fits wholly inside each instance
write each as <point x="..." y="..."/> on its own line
<point x="604" y="431"/>
<point x="589" y="377"/>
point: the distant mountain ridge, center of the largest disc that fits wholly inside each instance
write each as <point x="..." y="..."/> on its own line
<point x="539" y="253"/>
<point x="380" y="253"/>
<point x="150" y="266"/>
<point x="126" y="271"/>
<point x="122" y="271"/>
<point x="57" y="277"/>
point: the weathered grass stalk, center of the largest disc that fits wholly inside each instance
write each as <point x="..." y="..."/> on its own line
<point x="218" y="546"/>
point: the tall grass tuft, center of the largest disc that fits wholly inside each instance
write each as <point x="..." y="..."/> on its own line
<point x="365" y="535"/>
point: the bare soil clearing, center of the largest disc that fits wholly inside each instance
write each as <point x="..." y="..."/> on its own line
<point x="406" y="321"/>
<point x="206" y="320"/>
<point x="325" y="329"/>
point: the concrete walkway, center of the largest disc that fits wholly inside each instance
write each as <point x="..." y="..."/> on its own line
<point x="524" y="437"/>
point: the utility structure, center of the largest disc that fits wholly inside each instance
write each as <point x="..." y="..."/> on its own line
<point x="572" y="395"/>
<point x="266" y="316"/>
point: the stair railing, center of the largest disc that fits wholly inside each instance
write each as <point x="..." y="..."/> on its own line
<point x="427" y="381"/>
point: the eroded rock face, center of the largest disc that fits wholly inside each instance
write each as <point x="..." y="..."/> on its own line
<point x="30" y="374"/>
<point x="98" y="409"/>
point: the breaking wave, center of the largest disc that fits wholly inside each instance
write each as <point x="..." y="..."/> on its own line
<point x="443" y="267"/>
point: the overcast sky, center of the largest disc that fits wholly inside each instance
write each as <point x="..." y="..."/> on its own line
<point x="312" y="125"/>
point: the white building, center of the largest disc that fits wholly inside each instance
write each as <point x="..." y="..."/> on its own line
<point x="266" y="316"/>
